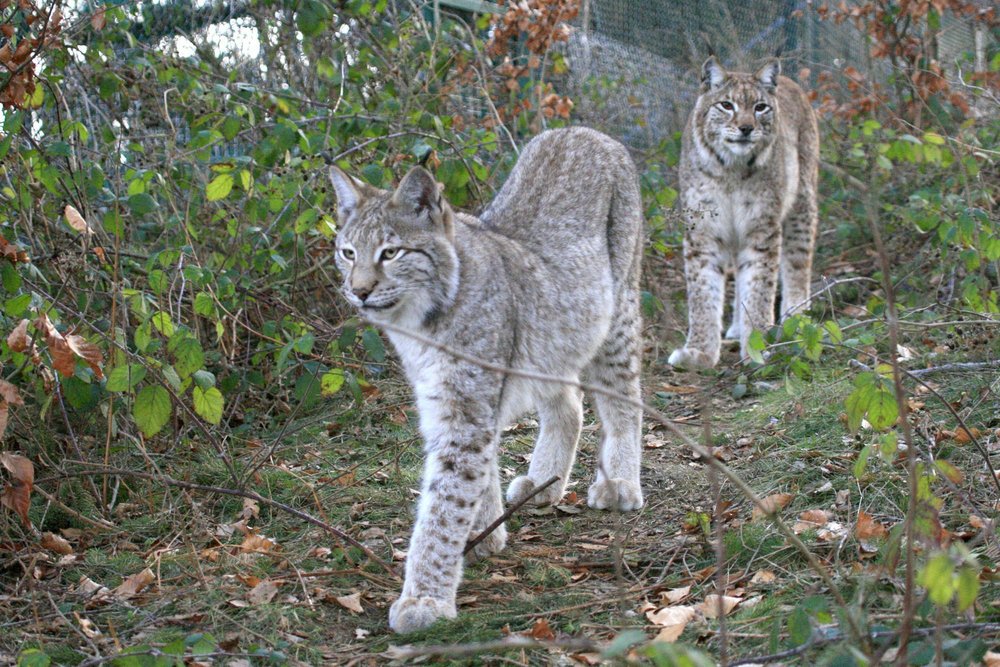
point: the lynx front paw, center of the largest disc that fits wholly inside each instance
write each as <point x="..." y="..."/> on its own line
<point x="734" y="332"/>
<point x="689" y="357"/>
<point x="617" y="494"/>
<point x="523" y="486"/>
<point x="491" y="544"/>
<point x="408" y="614"/>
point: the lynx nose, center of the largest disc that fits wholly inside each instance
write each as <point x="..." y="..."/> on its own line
<point x="363" y="292"/>
<point x="746" y="130"/>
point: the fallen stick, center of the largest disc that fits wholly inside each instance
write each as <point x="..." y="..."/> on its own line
<point x="471" y="544"/>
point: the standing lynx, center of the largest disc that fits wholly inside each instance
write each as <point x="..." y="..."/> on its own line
<point x="748" y="173"/>
<point x="545" y="281"/>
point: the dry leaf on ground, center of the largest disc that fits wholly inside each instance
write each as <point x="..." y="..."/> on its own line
<point x="132" y="585"/>
<point x="710" y="607"/>
<point x="675" y="595"/>
<point x="672" y="621"/>
<point x="762" y="577"/>
<point x="868" y="528"/>
<point x="56" y="543"/>
<point x="263" y="592"/>
<point x="810" y="520"/>
<point x="773" y="503"/>
<point x="351" y="602"/>
<point x="258" y="544"/>
<point x="541" y="630"/>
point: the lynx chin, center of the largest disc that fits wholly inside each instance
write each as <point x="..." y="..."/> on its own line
<point x="748" y="171"/>
<point x="546" y="280"/>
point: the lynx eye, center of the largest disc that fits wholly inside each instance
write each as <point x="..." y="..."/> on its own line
<point x="389" y="254"/>
<point x="761" y="107"/>
<point x="726" y="106"/>
<point x="347" y="253"/>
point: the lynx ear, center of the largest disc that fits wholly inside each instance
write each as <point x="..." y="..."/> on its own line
<point x="712" y="74"/>
<point x="348" y="190"/>
<point x="768" y="74"/>
<point x="420" y="194"/>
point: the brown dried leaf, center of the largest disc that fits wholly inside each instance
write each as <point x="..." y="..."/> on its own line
<point x="98" y="19"/>
<point x="964" y="436"/>
<point x="16" y="496"/>
<point x="17" y="341"/>
<point x="351" y="602"/>
<point x="672" y="621"/>
<point x="868" y="528"/>
<point x="675" y="595"/>
<point x="710" y="607"/>
<point x="258" y="544"/>
<point x="132" y="585"/>
<point x="991" y="659"/>
<point x="541" y="630"/>
<point x="4" y="416"/>
<point x="56" y="543"/>
<point x="771" y="504"/>
<point x="762" y="577"/>
<point x="77" y="221"/>
<point x="263" y="592"/>
<point x="65" y="349"/>
<point x="10" y="394"/>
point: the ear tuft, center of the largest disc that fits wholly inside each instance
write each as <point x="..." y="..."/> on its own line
<point x="768" y="74"/>
<point x="348" y="192"/>
<point x="712" y="74"/>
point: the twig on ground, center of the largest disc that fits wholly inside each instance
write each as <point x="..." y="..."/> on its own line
<point x="511" y="643"/>
<point x="305" y="516"/>
<point x="471" y="544"/>
<point x="959" y="367"/>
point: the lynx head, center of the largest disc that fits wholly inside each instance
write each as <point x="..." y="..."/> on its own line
<point x="735" y="114"/>
<point x="396" y="250"/>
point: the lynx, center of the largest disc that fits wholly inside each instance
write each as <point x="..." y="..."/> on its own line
<point x="545" y="281"/>
<point x="748" y="171"/>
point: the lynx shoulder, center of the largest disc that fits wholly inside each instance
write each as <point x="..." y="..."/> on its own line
<point x="545" y="281"/>
<point x="748" y="172"/>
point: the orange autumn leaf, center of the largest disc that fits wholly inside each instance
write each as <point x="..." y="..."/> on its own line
<point x="65" y="349"/>
<point x="964" y="436"/>
<point x="541" y="630"/>
<point x="868" y="528"/>
<point x="17" y="341"/>
<point x="771" y="504"/>
<point x="16" y="496"/>
<point x="135" y="583"/>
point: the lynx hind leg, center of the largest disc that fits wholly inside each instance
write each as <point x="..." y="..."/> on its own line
<point x="706" y="289"/>
<point x="798" y="244"/>
<point x="616" y="368"/>
<point x="561" y="418"/>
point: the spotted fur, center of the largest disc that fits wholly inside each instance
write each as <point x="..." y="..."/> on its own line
<point x="748" y="171"/>
<point x="547" y="281"/>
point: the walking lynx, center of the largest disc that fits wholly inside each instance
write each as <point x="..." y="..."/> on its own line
<point x="545" y="281"/>
<point x="748" y="171"/>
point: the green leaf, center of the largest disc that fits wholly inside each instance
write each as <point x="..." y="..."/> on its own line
<point x="219" y="187"/>
<point x="204" y="379"/>
<point x="968" y="587"/>
<point x="208" y="403"/>
<point x="190" y="357"/>
<point x="883" y="410"/>
<point x="799" y="628"/>
<point x="373" y="344"/>
<point x="755" y="347"/>
<point x="862" y="462"/>
<point x="833" y="330"/>
<point x="141" y="204"/>
<point x="123" y="378"/>
<point x="204" y="304"/>
<point x="163" y="323"/>
<point x="332" y="381"/>
<point x="151" y="410"/>
<point x="938" y="578"/>
<point x="33" y="657"/>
